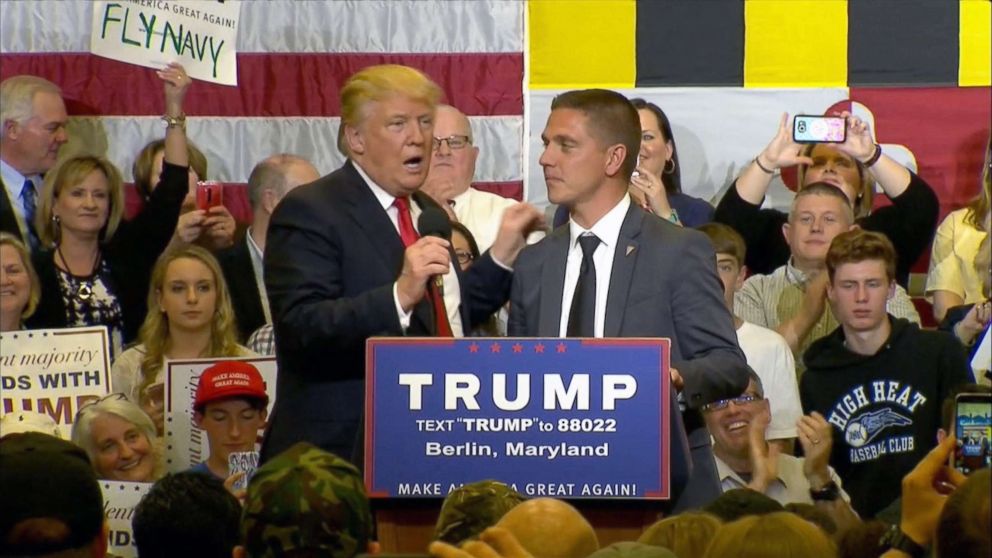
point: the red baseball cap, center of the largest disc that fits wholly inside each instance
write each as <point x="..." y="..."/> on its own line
<point x="230" y="378"/>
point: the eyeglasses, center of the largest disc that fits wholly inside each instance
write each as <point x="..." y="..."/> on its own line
<point x="454" y="142"/>
<point x="463" y="256"/>
<point x="723" y="403"/>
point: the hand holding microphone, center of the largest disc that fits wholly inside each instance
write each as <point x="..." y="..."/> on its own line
<point x="427" y="258"/>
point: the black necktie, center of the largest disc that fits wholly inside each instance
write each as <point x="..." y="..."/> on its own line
<point x="582" y="317"/>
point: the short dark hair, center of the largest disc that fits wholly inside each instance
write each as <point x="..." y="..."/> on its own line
<point x="612" y="120"/>
<point x="725" y="240"/>
<point x="858" y="245"/>
<point x="187" y="514"/>
<point x="672" y="180"/>
<point x="739" y="502"/>
<point x="965" y="526"/>
<point x="254" y="402"/>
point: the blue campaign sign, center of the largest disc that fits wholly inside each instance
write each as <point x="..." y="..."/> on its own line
<point x="569" y="418"/>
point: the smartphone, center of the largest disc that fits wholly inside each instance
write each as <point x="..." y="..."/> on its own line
<point x="808" y="128"/>
<point x="242" y="462"/>
<point x="973" y="430"/>
<point x="209" y="193"/>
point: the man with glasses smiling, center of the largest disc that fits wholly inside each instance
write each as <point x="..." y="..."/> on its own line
<point x="745" y="460"/>
<point x="449" y="180"/>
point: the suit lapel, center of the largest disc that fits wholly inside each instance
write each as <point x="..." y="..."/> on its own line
<point x="624" y="260"/>
<point x="553" y="283"/>
<point x="375" y="223"/>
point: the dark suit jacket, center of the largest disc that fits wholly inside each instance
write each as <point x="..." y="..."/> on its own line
<point x="240" y="276"/>
<point x="8" y="219"/>
<point x="663" y="284"/>
<point x="331" y="258"/>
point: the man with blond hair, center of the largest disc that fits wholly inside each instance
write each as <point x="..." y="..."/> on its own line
<point x="549" y="528"/>
<point x="33" y="118"/>
<point x="344" y="262"/>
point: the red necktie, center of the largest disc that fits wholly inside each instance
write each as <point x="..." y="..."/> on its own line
<point x="409" y="235"/>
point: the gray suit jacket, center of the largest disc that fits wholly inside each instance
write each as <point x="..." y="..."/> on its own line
<point x="664" y="284"/>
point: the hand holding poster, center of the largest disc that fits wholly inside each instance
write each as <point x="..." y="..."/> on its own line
<point x="53" y="371"/>
<point x="201" y="35"/>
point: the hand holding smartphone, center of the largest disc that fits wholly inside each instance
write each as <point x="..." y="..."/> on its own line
<point x="973" y="430"/>
<point x="242" y="462"/>
<point x="808" y="128"/>
<point x="209" y="193"/>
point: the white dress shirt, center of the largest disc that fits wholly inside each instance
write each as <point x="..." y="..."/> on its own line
<point x="256" y="265"/>
<point x="452" y="293"/>
<point x="608" y="231"/>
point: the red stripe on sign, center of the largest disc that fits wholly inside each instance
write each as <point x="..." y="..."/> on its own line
<point x="272" y="85"/>
<point x="236" y="197"/>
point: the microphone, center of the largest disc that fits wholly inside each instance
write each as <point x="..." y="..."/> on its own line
<point x="434" y="222"/>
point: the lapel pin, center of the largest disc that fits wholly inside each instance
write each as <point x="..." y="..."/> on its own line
<point x="630" y="249"/>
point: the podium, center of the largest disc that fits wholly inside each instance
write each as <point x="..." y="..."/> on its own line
<point x="590" y="421"/>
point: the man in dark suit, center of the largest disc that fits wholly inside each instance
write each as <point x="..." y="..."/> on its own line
<point x="617" y="271"/>
<point x="268" y="183"/>
<point x="33" y="117"/>
<point x="343" y="262"/>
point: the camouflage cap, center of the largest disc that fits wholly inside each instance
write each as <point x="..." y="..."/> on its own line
<point x="470" y="509"/>
<point x="306" y="499"/>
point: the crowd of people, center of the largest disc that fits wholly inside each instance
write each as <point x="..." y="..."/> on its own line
<point x="814" y="404"/>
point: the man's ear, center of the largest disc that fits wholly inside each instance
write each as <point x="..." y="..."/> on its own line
<point x="615" y="156"/>
<point x="854" y="227"/>
<point x="10" y="129"/>
<point x="741" y="276"/>
<point x="356" y="142"/>
<point x="892" y="289"/>
<point x="198" y="419"/>
<point x="269" y="200"/>
<point x="785" y="231"/>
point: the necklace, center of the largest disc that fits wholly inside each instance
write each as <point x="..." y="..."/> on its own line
<point x="85" y="289"/>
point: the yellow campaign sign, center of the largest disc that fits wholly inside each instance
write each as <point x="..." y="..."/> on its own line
<point x="795" y="43"/>
<point x="975" y="59"/>
<point x="582" y="43"/>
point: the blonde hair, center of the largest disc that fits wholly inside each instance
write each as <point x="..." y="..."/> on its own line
<point x="377" y="83"/>
<point x="119" y="405"/>
<point x="145" y="161"/>
<point x="7" y="239"/>
<point x="686" y="534"/>
<point x="17" y="95"/>
<point x="866" y="196"/>
<point x="71" y="172"/>
<point x="154" y="332"/>
<point x="772" y="535"/>
<point x="981" y="205"/>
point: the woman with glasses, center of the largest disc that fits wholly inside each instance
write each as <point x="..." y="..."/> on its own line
<point x="120" y="440"/>
<point x="95" y="268"/>
<point x="189" y="316"/>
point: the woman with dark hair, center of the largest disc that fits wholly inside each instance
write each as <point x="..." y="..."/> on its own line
<point x="657" y="184"/>
<point x="95" y="268"/>
<point x="855" y="167"/>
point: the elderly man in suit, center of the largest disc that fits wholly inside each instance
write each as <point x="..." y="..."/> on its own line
<point x="617" y="271"/>
<point x="344" y="262"/>
<point x="33" y="119"/>
<point x="269" y="182"/>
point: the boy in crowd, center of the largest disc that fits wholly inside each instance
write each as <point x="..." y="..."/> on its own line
<point x="766" y="351"/>
<point x="879" y="380"/>
<point x="230" y="406"/>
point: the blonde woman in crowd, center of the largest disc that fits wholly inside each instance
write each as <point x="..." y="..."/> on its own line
<point x="189" y="316"/>
<point x="19" y="288"/>
<point x="90" y="275"/>
<point x="953" y="279"/>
